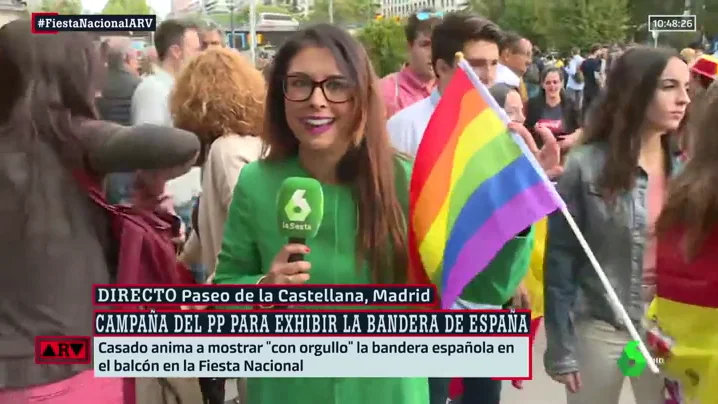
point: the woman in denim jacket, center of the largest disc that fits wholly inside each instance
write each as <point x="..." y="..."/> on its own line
<point x="614" y="186"/>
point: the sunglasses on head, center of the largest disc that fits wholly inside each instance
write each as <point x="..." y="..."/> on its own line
<point x="425" y="15"/>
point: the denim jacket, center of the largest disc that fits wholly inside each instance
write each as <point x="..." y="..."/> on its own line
<point x="616" y="234"/>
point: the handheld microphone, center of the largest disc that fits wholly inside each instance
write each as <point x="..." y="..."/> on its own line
<point x="300" y="208"/>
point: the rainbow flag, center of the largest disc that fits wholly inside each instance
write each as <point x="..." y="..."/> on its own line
<point x="474" y="187"/>
<point x="685" y="311"/>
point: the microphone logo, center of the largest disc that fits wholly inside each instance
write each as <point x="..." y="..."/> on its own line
<point x="297" y="209"/>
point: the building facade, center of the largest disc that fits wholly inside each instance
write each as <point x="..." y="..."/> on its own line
<point x="404" y="8"/>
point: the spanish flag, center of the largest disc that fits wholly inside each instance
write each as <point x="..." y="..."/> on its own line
<point x="534" y="278"/>
<point x="685" y="312"/>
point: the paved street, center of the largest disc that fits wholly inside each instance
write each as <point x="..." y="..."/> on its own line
<point x="540" y="390"/>
<point x="543" y="390"/>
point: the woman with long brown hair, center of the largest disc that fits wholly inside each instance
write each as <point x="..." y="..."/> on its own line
<point x="55" y="242"/>
<point x="614" y="186"/>
<point x="324" y="120"/>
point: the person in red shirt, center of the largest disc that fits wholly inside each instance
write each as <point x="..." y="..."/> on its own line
<point x="687" y="246"/>
<point x="416" y="80"/>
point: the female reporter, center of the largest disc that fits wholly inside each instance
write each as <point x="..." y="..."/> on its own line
<point x="324" y="120"/>
<point x="54" y="241"/>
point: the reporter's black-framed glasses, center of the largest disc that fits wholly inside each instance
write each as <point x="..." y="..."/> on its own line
<point x="300" y="88"/>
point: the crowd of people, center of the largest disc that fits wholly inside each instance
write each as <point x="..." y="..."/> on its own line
<point x="208" y="137"/>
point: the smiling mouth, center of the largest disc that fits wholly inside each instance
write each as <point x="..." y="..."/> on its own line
<point x="318" y="122"/>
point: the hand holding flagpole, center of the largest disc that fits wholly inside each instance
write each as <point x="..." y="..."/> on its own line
<point x="530" y="149"/>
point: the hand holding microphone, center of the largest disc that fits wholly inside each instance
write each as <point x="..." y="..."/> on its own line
<point x="283" y="272"/>
<point x="300" y="208"/>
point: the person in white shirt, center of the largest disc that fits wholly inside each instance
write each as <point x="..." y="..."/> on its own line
<point x="176" y="43"/>
<point x="516" y="55"/>
<point x="574" y="85"/>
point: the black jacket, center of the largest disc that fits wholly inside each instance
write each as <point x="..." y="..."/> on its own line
<point x="535" y="106"/>
<point x="116" y="100"/>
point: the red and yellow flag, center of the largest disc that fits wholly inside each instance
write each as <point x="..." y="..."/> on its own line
<point x="686" y="311"/>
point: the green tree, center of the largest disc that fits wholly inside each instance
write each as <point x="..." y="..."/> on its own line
<point x="61" y="6"/>
<point x="530" y="18"/>
<point x="585" y="22"/>
<point x="127" y="7"/>
<point x="491" y="9"/>
<point x="385" y="43"/>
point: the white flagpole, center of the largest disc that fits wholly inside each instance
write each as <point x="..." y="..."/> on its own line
<point x="615" y="302"/>
<point x="612" y="297"/>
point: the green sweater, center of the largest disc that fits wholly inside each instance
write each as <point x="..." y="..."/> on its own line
<point x="251" y="240"/>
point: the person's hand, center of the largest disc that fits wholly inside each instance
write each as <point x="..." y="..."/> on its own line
<point x="521" y="299"/>
<point x="569" y="141"/>
<point x="549" y="157"/>
<point x="572" y="381"/>
<point x="282" y="272"/>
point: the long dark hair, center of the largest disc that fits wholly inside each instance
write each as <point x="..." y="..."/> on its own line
<point x="619" y="112"/>
<point x="369" y="165"/>
<point x="58" y="78"/>
<point x="692" y="204"/>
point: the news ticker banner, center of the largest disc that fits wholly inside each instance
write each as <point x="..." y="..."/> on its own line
<point x="266" y="295"/>
<point x="301" y="343"/>
<point x="52" y="23"/>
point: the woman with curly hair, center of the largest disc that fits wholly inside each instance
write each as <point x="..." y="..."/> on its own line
<point x="220" y="97"/>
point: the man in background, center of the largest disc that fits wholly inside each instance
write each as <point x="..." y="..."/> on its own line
<point x="575" y="81"/>
<point x="416" y="80"/>
<point x="176" y="43"/>
<point x="591" y="70"/>
<point x="115" y="104"/>
<point x="515" y="59"/>
<point x="122" y="81"/>
<point x="212" y="36"/>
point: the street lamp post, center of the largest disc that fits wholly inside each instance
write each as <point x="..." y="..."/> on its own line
<point x="331" y="11"/>
<point x="253" y="30"/>
<point x="231" y="23"/>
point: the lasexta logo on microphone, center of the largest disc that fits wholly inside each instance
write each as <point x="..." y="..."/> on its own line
<point x="300" y="207"/>
<point x="297" y="209"/>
